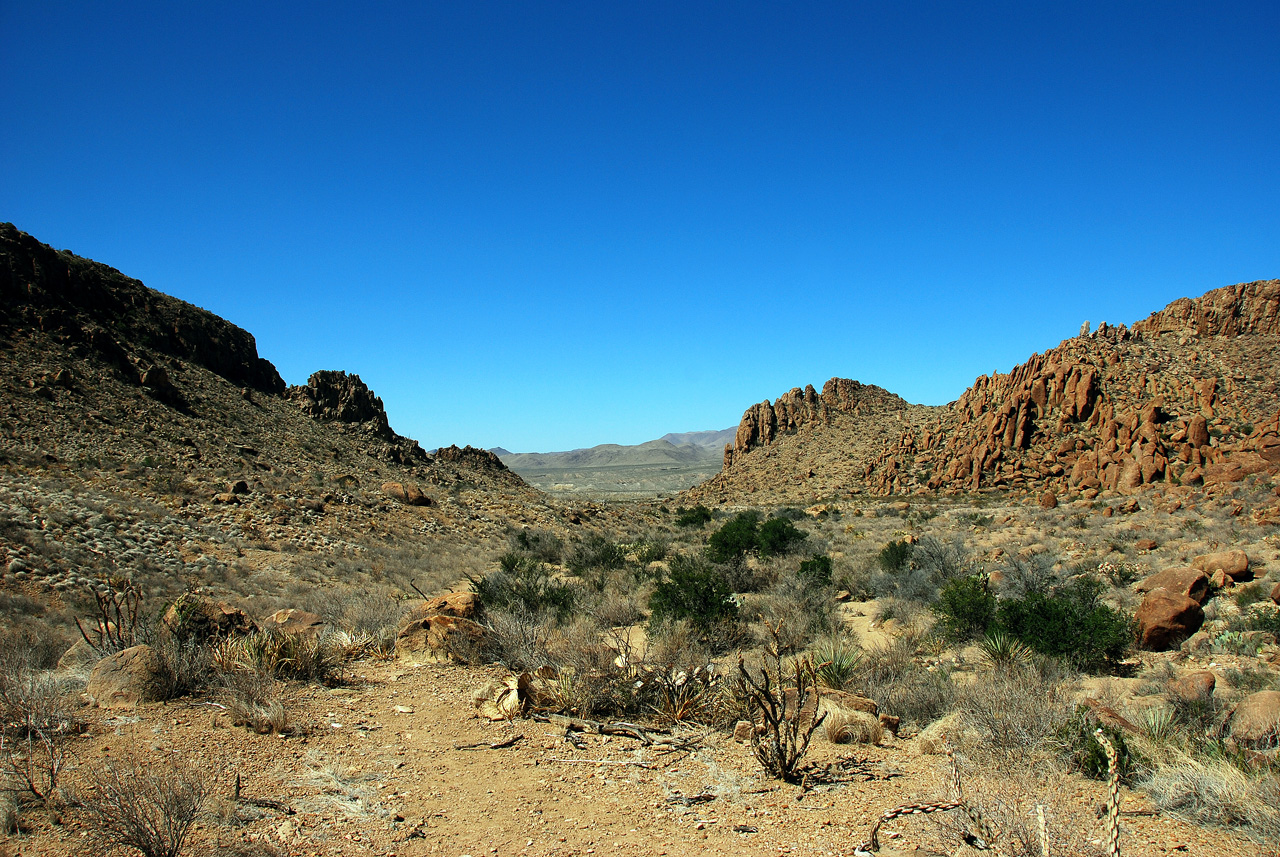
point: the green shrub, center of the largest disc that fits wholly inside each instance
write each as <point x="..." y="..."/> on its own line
<point x="524" y="584"/>
<point x="1070" y="624"/>
<point x="542" y="544"/>
<point x="895" y="555"/>
<point x="735" y="539"/>
<point x="595" y="553"/>
<point x="692" y="591"/>
<point x="698" y="516"/>
<point x="965" y="608"/>
<point x="777" y="537"/>
<point x="1085" y="754"/>
<point x="816" y="571"/>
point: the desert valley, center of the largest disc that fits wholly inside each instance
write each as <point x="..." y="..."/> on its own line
<point x="245" y="618"/>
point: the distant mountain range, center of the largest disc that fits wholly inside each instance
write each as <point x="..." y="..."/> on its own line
<point x="673" y="462"/>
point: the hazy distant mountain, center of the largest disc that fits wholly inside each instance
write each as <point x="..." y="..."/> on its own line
<point x="671" y="463"/>
<point x="710" y="439"/>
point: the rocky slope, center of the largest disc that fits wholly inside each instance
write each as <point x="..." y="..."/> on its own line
<point x="1189" y="396"/>
<point x="807" y="445"/>
<point x="142" y="435"/>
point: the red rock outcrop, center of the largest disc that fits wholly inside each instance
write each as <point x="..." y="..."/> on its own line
<point x="1170" y="400"/>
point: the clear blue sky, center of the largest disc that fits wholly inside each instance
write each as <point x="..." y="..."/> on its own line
<point x="551" y="225"/>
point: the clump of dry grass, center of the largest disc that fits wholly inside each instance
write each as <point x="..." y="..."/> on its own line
<point x="851" y="727"/>
<point x="1214" y="791"/>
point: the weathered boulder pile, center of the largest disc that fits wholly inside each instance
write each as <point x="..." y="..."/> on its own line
<point x="1186" y="397"/>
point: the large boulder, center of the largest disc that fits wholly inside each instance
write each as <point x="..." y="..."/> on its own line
<point x="440" y="639"/>
<point x="127" y="678"/>
<point x="410" y="495"/>
<point x="296" y="622"/>
<point x="1194" y="686"/>
<point x="464" y="605"/>
<point x="1256" y="721"/>
<point x="1167" y="618"/>
<point x="1190" y="582"/>
<point x="1235" y="564"/>
<point x="202" y="620"/>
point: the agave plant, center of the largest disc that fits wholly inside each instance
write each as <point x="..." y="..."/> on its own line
<point x="838" y="662"/>
<point x="1002" y="651"/>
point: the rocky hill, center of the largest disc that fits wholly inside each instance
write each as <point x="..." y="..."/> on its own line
<point x="129" y="411"/>
<point x="807" y="445"/>
<point x="1188" y="396"/>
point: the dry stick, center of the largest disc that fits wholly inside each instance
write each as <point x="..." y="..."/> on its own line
<point x="602" y="762"/>
<point x="1111" y="832"/>
<point x="500" y="745"/>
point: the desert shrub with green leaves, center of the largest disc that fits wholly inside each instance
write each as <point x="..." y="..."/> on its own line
<point x="745" y="534"/>
<point x="695" y="591"/>
<point x="965" y="608"/>
<point x="522" y="583"/>
<point x="595" y="553"/>
<point x="697" y="516"/>
<point x="816" y="570"/>
<point x="1070" y="623"/>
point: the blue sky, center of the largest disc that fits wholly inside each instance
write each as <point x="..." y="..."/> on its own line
<point x="551" y="225"/>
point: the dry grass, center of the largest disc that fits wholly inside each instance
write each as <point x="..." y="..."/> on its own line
<point x="851" y="727"/>
<point x="1214" y="791"/>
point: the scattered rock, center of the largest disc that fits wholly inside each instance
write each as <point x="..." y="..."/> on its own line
<point x="410" y="495"/>
<point x="128" y="678"/>
<point x="1167" y="618"/>
<point x="743" y="730"/>
<point x="1049" y="500"/>
<point x="1234" y="563"/>
<point x="850" y="701"/>
<point x="1145" y="544"/>
<point x="464" y="605"/>
<point x="441" y="639"/>
<point x="1256" y="721"/>
<point x="1195" y="686"/>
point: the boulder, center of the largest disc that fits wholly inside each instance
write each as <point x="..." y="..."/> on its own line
<point x="410" y="495"/>
<point x="128" y="678"/>
<point x="1048" y="500"/>
<point x="80" y="655"/>
<point x="1195" y="686"/>
<point x="1145" y="544"/>
<point x="743" y="730"/>
<point x="1275" y="593"/>
<point x="440" y="639"/>
<point x="1167" y="618"/>
<point x="296" y="622"/>
<point x="1256" y="721"/>
<point x="850" y="701"/>
<point x="1198" y="432"/>
<point x="1190" y="582"/>
<point x="203" y="620"/>
<point x="1234" y="563"/>
<point x="464" y="605"/>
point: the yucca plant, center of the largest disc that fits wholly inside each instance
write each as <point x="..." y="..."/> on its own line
<point x="1003" y="651"/>
<point x="838" y="662"/>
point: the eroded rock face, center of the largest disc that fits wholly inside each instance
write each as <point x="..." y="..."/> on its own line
<point x="337" y="396"/>
<point x="464" y="605"/>
<point x="440" y="639"/>
<point x="296" y="622"/>
<point x="194" y="617"/>
<point x="86" y="302"/>
<point x="407" y="493"/>
<point x="1167" y="618"/>
<point x="128" y="678"/>
<point x="470" y="456"/>
<point x="1195" y="686"/>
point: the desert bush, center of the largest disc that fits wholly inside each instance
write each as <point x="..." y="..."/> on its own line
<point x="697" y="516"/>
<point x="253" y="700"/>
<point x="778" y="537"/>
<point x="1214" y="791"/>
<point x="37" y="728"/>
<point x="542" y="545"/>
<point x="187" y="664"/>
<point x="595" y="552"/>
<point x="1070" y="623"/>
<point x="735" y="539"/>
<point x="517" y="638"/>
<point x="893" y="675"/>
<point x="695" y="591"/>
<point x="525" y="584"/>
<point x="852" y="727"/>
<point x="312" y="658"/>
<point x="965" y="608"/>
<point x="816" y="570"/>
<point x="1080" y="746"/>
<point x="1029" y="575"/>
<point x="146" y="805"/>
<point x="651" y="550"/>
<point x="796" y="612"/>
<point x="785" y="702"/>
<point x="1015" y="713"/>
<point x="894" y="556"/>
